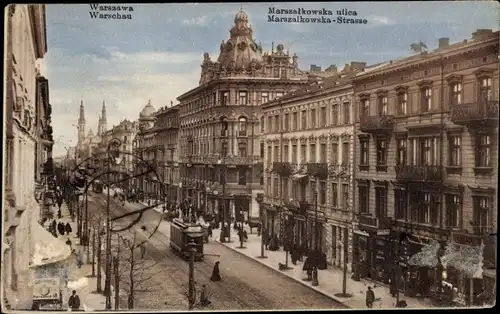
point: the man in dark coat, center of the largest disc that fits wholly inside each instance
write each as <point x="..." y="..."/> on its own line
<point x="74" y="301"/>
<point x="67" y="228"/>
<point x="60" y="228"/>
<point x="216" y="272"/>
<point x="370" y="297"/>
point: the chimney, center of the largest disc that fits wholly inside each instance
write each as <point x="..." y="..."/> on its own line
<point x="332" y="68"/>
<point x="356" y="65"/>
<point x="481" y="33"/>
<point x="443" y="42"/>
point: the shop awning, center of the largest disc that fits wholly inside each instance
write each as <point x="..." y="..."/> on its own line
<point x="47" y="248"/>
<point x="298" y="176"/>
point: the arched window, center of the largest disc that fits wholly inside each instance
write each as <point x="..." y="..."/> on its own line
<point x="242" y="126"/>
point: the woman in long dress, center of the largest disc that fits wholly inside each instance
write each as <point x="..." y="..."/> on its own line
<point x="216" y="272"/>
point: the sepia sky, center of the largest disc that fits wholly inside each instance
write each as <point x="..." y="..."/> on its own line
<point x="157" y="54"/>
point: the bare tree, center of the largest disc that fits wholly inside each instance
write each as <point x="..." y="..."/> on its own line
<point x="132" y="268"/>
<point x="98" y="218"/>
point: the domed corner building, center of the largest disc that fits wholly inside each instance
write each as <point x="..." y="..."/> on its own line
<point x="221" y="124"/>
<point x="144" y="147"/>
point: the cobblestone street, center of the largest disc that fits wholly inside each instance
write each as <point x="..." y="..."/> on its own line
<point x="245" y="283"/>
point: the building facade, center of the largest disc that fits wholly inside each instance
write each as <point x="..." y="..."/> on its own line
<point x="145" y="147"/>
<point x="307" y="151"/>
<point x="219" y="134"/>
<point x="426" y="155"/>
<point x="44" y="128"/>
<point x="125" y="132"/>
<point x="27" y="131"/>
<point x="167" y="126"/>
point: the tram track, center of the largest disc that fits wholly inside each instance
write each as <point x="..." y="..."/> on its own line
<point x="238" y="292"/>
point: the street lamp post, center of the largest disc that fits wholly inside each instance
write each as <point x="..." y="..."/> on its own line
<point x="260" y="200"/>
<point x="315" y="281"/>
<point x="192" y="291"/>
<point x="111" y="158"/>
<point x="223" y="207"/>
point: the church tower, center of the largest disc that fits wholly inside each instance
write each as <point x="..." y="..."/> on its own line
<point x="81" y="125"/>
<point x="102" y="120"/>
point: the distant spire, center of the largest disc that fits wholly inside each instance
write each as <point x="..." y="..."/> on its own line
<point x="241" y="8"/>
<point x="149" y="102"/>
<point x="103" y="114"/>
<point x="272" y="47"/>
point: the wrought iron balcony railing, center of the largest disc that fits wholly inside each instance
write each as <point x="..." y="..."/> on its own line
<point x="418" y="173"/>
<point x="284" y="169"/>
<point x="475" y="113"/>
<point x="376" y="124"/>
<point x="374" y="224"/>
<point x="318" y="170"/>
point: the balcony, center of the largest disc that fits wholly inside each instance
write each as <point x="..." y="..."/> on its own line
<point x="241" y="133"/>
<point x="284" y="169"/>
<point x="238" y="160"/>
<point x="224" y="133"/>
<point x="379" y="225"/>
<point x="299" y="207"/>
<point x="376" y="124"/>
<point x="418" y="173"/>
<point x="318" y="170"/>
<point x="475" y="114"/>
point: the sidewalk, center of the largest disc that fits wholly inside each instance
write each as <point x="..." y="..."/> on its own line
<point x="80" y="279"/>
<point x="330" y="279"/>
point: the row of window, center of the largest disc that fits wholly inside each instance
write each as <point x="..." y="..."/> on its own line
<point x="423" y="207"/>
<point x="309" y="119"/>
<point x="204" y="149"/>
<point x="424" y="151"/>
<point x="225" y="98"/>
<point x="290" y="153"/>
<point x="219" y="129"/>
<point x="306" y="191"/>
<point x="426" y="104"/>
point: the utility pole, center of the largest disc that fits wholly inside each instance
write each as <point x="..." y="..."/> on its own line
<point x="93" y="253"/>
<point x="192" y="290"/>
<point x="315" y="281"/>
<point x="116" y="264"/>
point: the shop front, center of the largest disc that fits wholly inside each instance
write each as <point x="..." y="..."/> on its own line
<point x="372" y="249"/>
<point x="298" y="211"/>
<point x="271" y="220"/>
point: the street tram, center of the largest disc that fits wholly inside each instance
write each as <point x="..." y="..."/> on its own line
<point x="182" y="233"/>
<point x="97" y="186"/>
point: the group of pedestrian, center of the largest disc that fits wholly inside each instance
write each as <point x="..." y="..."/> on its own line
<point x="271" y="242"/>
<point x="60" y="228"/>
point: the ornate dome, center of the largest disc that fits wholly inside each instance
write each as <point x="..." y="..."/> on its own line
<point x="148" y="111"/>
<point x="240" y="51"/>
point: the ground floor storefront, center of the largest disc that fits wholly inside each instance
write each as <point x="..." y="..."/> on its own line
<point x="385" y="259"/>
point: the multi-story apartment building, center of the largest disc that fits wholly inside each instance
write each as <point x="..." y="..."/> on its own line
<point x="306" y="147"/>
<point x="219" y="121"/>
<point x="148" y="152"/>
<point x="125" y="131"/>
<point x="43" y="125"/>
<point x="26" y="99"/>
<point x="426" y="155"/>
<point x="167" y="126"/>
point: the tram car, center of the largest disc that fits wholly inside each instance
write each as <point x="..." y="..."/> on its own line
<point x="97" y="186"/>
<point x="182" y="233"/>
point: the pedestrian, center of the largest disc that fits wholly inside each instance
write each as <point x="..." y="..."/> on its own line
<point x="204" y="301"/>
<point x="60" y="228"/>
<point x="370" y="297"/>
<point x="67" y="228"/>
<point x="216" y="272"/>
<point x="68" y="242"/>
<point x="74" y="301"/>
<point x="79" y="261"/>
